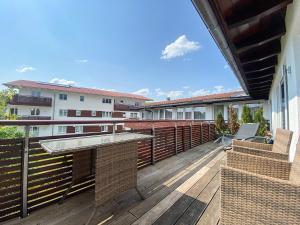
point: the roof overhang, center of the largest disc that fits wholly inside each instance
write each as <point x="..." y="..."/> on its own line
<point x="248" y="33"/>
<point x="200" y="103"/>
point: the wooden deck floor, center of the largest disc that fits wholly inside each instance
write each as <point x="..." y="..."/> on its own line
<point x="183" y="189"/>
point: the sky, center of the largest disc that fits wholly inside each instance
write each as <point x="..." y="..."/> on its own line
<point x="155" y="48"/>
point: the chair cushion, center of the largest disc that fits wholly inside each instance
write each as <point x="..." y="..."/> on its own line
<point x="282" y="140"/>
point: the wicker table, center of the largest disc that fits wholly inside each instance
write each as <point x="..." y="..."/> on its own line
<point x="115" y="161"/>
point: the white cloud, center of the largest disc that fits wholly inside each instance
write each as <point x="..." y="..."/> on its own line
<point x="63" y="81"/>
<point x="226" y="66"/>
<point x="143" y="91"/>
<point x="24" y="69"/>
<point x="168" y="94"/>
<point x="186" y="87"/>
<point x="199" y="92"/>
<point x="81" y="60"/>
<point x="181" y="46"/>
<point x="219" y="88"/>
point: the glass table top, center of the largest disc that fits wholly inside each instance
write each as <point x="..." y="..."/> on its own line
<point x="64" y="145"/>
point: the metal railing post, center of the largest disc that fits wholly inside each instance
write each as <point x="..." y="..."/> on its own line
<point x="153" y="146"/>
<point x="176" y="150"/>
<point x="25" y="157"/>
<point x="114" y="128"/>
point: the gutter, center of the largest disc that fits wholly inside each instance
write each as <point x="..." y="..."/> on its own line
<point x="207" y="15"/>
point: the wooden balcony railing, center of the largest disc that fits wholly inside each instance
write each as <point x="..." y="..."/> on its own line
<point x="49" y="176"/>
<point x="123" y="107"/>
<point x="30" y="100"/>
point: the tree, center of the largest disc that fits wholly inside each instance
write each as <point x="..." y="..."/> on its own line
<point x="246" y="115"/>
<point x="233" y="124"/>
<point x="220" y="124"/>
<point x="259" y="118"/>
<point x="8" y="132"/>
<point x="5" y="96"/>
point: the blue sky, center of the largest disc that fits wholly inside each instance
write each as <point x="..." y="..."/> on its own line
<point x="156" y="48"/>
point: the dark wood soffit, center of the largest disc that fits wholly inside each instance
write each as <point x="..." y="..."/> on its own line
<point x="253" y="30"/>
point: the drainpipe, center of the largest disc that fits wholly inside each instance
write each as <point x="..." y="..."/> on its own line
<point x="208" y="17"/>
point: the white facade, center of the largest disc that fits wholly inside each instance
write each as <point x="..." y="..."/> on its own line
<point x="77" y="102"/>
<point x="285" y="91"/>
<point x="205" y="112"/>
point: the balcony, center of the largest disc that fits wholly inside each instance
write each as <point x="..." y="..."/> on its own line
<point x="30" y="100"/>
<point x="123" y="107"/>
<point x="51" y="175"/>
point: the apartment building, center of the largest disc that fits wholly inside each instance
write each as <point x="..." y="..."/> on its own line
<point x="47" y="101"/>
<point x="204" y="107"/>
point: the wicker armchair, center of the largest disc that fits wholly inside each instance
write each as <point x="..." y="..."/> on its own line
<point x="259" y="190"/>
<point x="278" y="150"/>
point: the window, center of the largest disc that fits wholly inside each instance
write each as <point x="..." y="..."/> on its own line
<point x="136" y="104"/>
<point x="78" y="129"/>
<point x="284" y="110"/>
<point x="134" y="115"/>
<point x="35" y="112"/>
<point x="63" y="112"/>
<point x="188" y="115"/>
<point x="36" y="93"/>
<point x="218" y="109"/>
<point x="104" y="128"/>
<point x="94" y="113"/>
<point x="78" y="113"/>
<point x="199" y="115"/>
<point x="62" y="129"/>
<point x="106" y="114"/>
<point x="161" y="114"/>
<point x="121" y="101"/>
<point x="34" y="131"/>
<point x="168" y="114"/>
<point x="13" y="111"/>
<point x="82" y="98"/>
<point x="179" y="115"/>
<point x="63" y="96"/>
<point x="106" y="100"/>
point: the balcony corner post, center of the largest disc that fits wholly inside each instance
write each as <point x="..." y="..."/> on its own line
<point x="25" y="157"/>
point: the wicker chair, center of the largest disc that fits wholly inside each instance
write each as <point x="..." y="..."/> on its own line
<point x="278" y="150"/>
<point x="259" y="190"/>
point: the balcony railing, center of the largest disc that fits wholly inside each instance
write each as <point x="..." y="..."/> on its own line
<point x="49" y="176"/>
<point x="123" y="107"/>
<point x="30" y="100"/>
<point x="34" y="117"/>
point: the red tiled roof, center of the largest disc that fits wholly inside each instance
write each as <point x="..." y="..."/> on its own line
<point x="64" y="88"/>
<point x="211" y="97"/>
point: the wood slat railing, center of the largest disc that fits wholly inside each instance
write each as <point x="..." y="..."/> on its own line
<point x="50" y="176"/>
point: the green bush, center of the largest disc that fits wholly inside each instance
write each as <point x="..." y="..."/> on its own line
<point x="10" y="132"/>
<point x="220" y="124"/>
<point x="233" y="124"/>
<point x="246" y="115"/>
<point x="259" y="118"/>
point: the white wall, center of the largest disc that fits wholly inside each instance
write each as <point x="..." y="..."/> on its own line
<point x="290" y="56"/>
